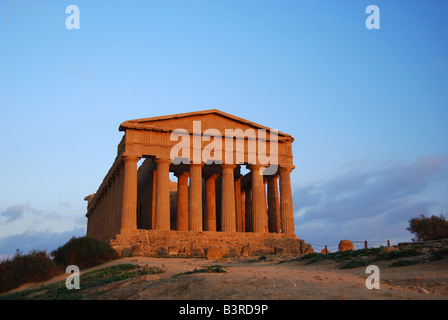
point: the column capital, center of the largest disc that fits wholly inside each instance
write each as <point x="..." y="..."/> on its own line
<point x="130" y="158"/>
<point x="227" y="165"/>
<point x="254" y="166"/>
<point x="196" y="164"/>
<point x="286" y="169"/>
<point x="162" y="160"/>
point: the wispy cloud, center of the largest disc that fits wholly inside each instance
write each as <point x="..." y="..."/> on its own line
<point x="46" y="240"/>
<point x="370" y="201"/>
<point x="27" y="212"/>
<point x="13" y="213"/>
<point x="24" y="227"/>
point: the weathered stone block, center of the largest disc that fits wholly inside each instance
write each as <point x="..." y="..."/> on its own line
<point x="214" y="253"/>
<point x="162" y="252"/>
<point x="126" y="252"/>
<point x="245" y="250"/>
<point x="193" y="243"/>
<point x="173" y="250"/>
<point x="136" y="250"/>
<point x="261" y="252"/>
<point x="278" y="250"/>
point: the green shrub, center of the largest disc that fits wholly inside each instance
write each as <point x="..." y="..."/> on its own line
<point x="89" y="280"/>
<point x="403" y="263"/>
<point x="314" y="257"/>
<point x="35" y="266"/>
<point x="340" y="255"/>
<point x="205" y="269"/>
<point x="354" y="263"/>
<point x="439" y="254"/>
<point x="399" y="254"/>
<point x="84" y="252"/>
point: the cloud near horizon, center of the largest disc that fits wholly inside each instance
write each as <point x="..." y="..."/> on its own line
<point x="45" y="240"/>
<point x="371" y="202"/>
<point x="368" y="201"/>
<point x="13" y="213"/>
<point x="24" y="228"/>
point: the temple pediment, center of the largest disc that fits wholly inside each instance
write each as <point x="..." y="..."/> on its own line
<point x="209" y="119"/>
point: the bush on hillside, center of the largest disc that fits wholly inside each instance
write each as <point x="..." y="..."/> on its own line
<point x="84" y="252"/>
<point x="35" y="266"/>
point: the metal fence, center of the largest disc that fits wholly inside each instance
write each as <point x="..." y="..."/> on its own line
<point x="364" y="244"/>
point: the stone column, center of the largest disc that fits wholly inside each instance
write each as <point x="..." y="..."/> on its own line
<point x="101" y="216"/>
<point x="115" y="195"/>
<point x="266" y="226"/>
<point x="210" y="209"/>
<point x="195" y="198"/>
<point x="258" y="199"/>
<point x="102" y="204"/>
<point x="182" y="201"/>
<point x="162" y="214"/>
<point x="112" y="207"/>
<point x="273" y="205"/>
<point x="120" y="187"/>
<point x="98" y="218"/>
<point x="154" y="199"/>
<point x="228" y="222"/>
<point x="238" y="209"/>
<point x="108" y="216"/>
<point x="93" y="216"/>
<point x="89" y="225"/>
<point x="249" y="216"/>
<point x="129" y="201"/>
<point x="243" y="210"/>
<point x="286" y="208"/>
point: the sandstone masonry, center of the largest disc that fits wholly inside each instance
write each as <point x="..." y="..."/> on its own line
<point x="213" y="209"/>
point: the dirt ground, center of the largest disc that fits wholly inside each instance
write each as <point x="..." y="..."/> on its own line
<point x="252" y="279"/>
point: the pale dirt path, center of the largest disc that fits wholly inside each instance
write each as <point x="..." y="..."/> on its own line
<point x="246" y="280"/>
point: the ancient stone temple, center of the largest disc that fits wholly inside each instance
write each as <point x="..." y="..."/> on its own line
<point x="202" y="183"/>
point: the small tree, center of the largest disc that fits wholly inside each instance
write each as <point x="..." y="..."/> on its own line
<point x="428" y="228"/>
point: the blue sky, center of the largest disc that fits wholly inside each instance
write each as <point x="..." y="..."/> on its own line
<point x="368" y="108"/>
